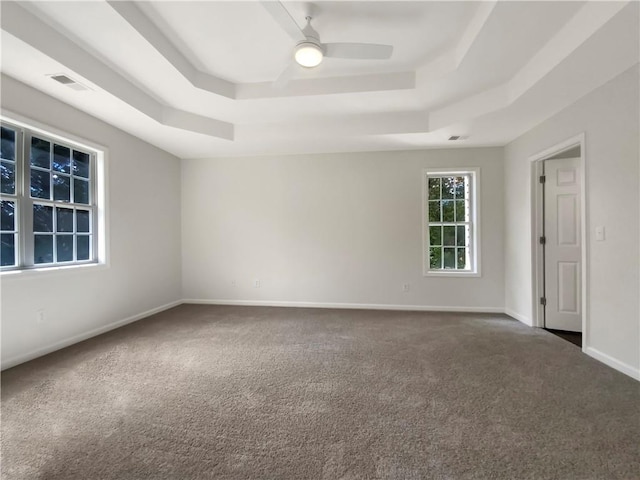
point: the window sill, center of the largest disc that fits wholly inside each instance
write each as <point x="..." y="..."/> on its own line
<point x="452" y="274"/>
<point x="52" y="271"/>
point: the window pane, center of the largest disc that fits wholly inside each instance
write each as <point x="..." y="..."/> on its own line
<point x="8" y="149"/>
<point x="64" y="220"/>
<point x="64" y="248"/>
<point x="80" y="191"/>
<point x="448" y="187"/>
<point x="61" y="187"/>
<point x="449" y="221"/>
<point x="434" y="211"/>
<point x="7" y="249"/>
<point x="7" y="218"/>
<point x="449" y="257"/>
<point x="61" y="159"/>
<point x="42" y="218"/>
<point x="82" y="247"/>
<point x="40" y="184"/>
<point x="449" y="236"/>
<point x="435" y="235"/>
<point x="447" y="211"/>
<point x="8" y="174"/>
<point x="40" y="153"/>
<point x="461" y="211"/>
<point x="460" y="187"/>
<point x="82" y="221"/>
<point x="434" y="189"/>
<point x="81" y="164"/>
<point x="43" y="248"/>
<point x="461" y="236"/>
<point x="435" y="257"/>
<point x="462" y="258"/>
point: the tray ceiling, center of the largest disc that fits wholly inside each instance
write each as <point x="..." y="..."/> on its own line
<point x="196" y="78"/>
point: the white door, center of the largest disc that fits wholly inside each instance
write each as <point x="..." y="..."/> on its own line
<point x="562" y="244"/>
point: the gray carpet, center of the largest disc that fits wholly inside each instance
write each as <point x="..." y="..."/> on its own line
<point x="272" y="393"/>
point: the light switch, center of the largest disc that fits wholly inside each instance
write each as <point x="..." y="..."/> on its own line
<point x="600" y="234"/>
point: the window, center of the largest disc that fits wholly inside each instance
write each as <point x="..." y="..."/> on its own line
<point x="48" y="200"/>
<point x="451" y="223"/>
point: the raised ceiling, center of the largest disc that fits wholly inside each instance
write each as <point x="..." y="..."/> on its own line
<point x="196" y="78"/>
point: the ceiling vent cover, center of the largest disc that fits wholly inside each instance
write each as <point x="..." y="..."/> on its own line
<point x="62" y="79"/>
<point x="69" y="82"/>
<point x="454" y="137"/>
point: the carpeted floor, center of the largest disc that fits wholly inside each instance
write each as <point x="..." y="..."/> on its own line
<point x="272" y="393"/>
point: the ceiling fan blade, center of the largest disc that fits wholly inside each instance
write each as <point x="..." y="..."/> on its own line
<point x="363" y="51"/>
<point x="285" y="77"/>
<point x="284" y="19"/>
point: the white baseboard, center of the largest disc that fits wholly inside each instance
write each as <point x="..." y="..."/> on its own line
<point x="18" y="359"/>
<point x="518" y="316"/>
<point x="613" y="363"/>
<point x="357" y="306"/>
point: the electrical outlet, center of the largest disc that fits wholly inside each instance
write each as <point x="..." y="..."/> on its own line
<point x="40" y="317"/>
<point x="406" y="287"/>
<point x="256" y="283"/>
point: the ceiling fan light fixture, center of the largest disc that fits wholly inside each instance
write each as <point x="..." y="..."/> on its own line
<point x="308" y="54"/>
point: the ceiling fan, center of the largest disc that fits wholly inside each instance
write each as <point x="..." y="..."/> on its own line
<point x="310" y="51"/>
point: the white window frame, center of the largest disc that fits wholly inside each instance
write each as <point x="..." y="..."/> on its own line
<point x="98" y="198"/>
<point x="474" y="206"/>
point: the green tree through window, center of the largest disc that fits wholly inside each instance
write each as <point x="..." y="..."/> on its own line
<point x="449" y="221"/>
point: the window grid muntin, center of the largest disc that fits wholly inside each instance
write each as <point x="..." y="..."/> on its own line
<point x="14" y="197"/>
<point x="24" y="202"/>
<point x="11" y="162"/>
<point x="53" y="174"/>
<point x="6" y="233"/>
<point x="467" y="223"/>
<point x="74" y="233"/>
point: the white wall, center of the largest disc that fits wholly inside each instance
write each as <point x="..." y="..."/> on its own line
<point x="330" y="229"/>
<point x="609" y="117"/>
<point x="144" y="235"/>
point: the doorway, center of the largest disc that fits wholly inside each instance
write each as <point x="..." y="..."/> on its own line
<point x="559" y="229"/>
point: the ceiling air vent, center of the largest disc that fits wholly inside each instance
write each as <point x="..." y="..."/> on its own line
<point x="454" y="137"/>
<point x="69" y="82"/>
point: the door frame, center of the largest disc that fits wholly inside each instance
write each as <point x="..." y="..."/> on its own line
<point x="537" y="219"/>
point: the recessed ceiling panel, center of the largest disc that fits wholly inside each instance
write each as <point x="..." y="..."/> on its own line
<point x="494" y="70"/>
<point x="240" y="41"/>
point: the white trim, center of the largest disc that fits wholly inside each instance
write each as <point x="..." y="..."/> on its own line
<point x="18" y="359"/>
<point x="519" y="317"/>
<point x="613" y="363"/>
<point x="100" y="182"/>
<point x="25" y="357"/>
<point x="451" y="273"/>
<point x="354" y="306"/>
<point x="102" y="199"/>
<point x="537" y="259"/>
<point x="584" y="219"/>
<point x="577" y="140"/>
<point x="51" y="271"/>
<point x="474" y="173"/>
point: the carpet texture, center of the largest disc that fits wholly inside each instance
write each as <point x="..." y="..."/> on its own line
<point x="201" y="392"/>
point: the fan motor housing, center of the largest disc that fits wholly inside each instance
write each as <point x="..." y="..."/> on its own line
<point x="308" y="53"/>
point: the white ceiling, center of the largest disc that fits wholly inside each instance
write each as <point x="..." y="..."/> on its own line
<point x="195" y="78"/>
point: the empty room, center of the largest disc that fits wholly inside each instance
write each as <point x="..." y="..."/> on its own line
<point x="320" y="240"/>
